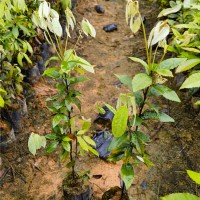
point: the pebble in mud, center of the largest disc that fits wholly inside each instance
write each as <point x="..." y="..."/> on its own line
<point x="99" y="9"/>
<point x="110" y="27"/>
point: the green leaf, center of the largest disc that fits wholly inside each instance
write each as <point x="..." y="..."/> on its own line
<point x="127" y="174"/>
<point x="50" y="59"/>
<point x="165" y="92"/>
<point x="1" y="102"/>
<point x="168" y="11"/>
<point x="194" y="176"/>
<point x="15" y="32"/>
<point x="126" y="80"/>
<point x="141" y="81"/>
<point x="58" y="118"/>
<point x="110" y="108"/>
<point x="52" y="146"/>
<point x="66" y="146"/>
<point x="192" y="81"/>
<point x="93" y="151"/>
<point x="27" y="58"/>
<point x="164" y="72"/>
<point x="82" y="143"/>
<point x="24" y="29"/>
<point x="187" y="65"/>
<point x="180" y="196"/>
<point x="51" y="136"/>
<point x="142" y="62"/>
<point x="52" y="72"/>
<point x="89" y="140"/>
<point x="19" y="59"/>
<point x="119" y="122"/>
<point x="165" y="118"/>
<point x="135" y="24"/>
<point x="87" y="28"/>
<point x="116" y="142"/>
<point x="35" y="142"/>
<point x="84" y="64"/>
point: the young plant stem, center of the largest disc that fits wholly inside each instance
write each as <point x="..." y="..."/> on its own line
<point x="142" y="106"/>
<point x="145" y="40"/>
<point x="70" y="131"/>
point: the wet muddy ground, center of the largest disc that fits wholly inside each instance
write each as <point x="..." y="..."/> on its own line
<point x="174" y="147"/>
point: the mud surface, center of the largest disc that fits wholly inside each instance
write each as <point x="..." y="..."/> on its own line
<point x="174" y="148"/>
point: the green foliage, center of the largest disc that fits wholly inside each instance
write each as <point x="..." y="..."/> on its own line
<point x="35" y="142"/>
<point x="194" y="176"/>
<point x="180" y="196"/>
<point x="135" y="107"/>
<point x="67" y="128"/>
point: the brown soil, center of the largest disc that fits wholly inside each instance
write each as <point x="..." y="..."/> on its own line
<point x="174" y="148"/>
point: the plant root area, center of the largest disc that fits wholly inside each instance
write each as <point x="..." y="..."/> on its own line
<point x="174" y="147"/>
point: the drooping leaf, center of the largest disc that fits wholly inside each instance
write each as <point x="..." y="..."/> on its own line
<point x="141" y="81"/>
<point x="87" y="28"/>
<point x="82" y="143"/>
<point x="57" y="28"/>
<point x="35" y="142"/>
<point x="164" y="72"/>
<point x="135" y="24"/>
<point x="187" y="65"/>
<point x="89" y="140"/>
<point x="192" y="81"/>
<point x="180" y="196"/>
<point x="66" y="146"/>
<point x="1" y="102"/>
<point x="119" y="122"/>
<point x="168" y="11"/>
<point x="127" y="174"/>
<point x="195" y="176"/>
<point x="52" y="72"/>
<point x="15" y="32"/>
<point x="93" y="151"/>
<point x="142" y="62"/>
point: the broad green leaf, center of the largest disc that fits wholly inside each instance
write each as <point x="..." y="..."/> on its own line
<point x="93" y="151"/>
<point x="87" y="28"/>
<point x="164" y="72"/>
<point x="84" y="64"/>
<point x="191" y="49"/>
<point x="35" y="142"/>
<point x="51" y="136"/>
<point x="141" y="81"/>
<point x="166" y="92"/>
<point x="1" y="102"/>
<point x="19" y="59"/>
<point x="187" y="65"/>
<point x="116" y="142"/>
<point x="82" y="143"/>
<point x="119" y="122"/>
<point x="66" y="139"/>
<point x="89" y="140"/>
<point x="2" y="90"/>
<point x="66" y="146"/>
<point x="52" y="72"/>
<point x="53" y="145"/>
<point x="171" y="63"/>
<point x="197" y="103"/>
<point x="27" y="58"/>
<point x="189" y="26"/>
<point x="15" y="32"/>
<point x="58" y="118"/>
<point x="194" y="176"/>
<point x="180" y="196"/>
<point x="165" y="118"/>
<point x="127" y="174"/>
<point x="142" y="62"/>
<point x="168" y="11"/>
<point x="126" y="80"/>
<point x="192" y="81"/>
